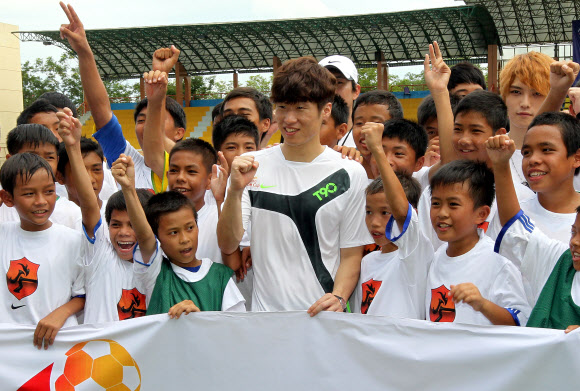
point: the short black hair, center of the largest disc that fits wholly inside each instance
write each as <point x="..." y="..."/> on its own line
<point x="426" y="110"/>
<point x="216" y="112"/>
<point x="29" y="134"/>
<point x="489" y="104"/>
<point x="38" y="106"/>
<point x="117" y="202"/>
<point x="164" y="203"/>
<point x="410" y="185"/>
<point x="262" y="102"/>
<point x="197" y="146"/>
<point x="568" y="126"/>
<point x="380" y="97"/>
<point x="476" y="174"/>
<point x="234" y="124"/>
<point x="23" y="166"/>
<point x="408" y="131"/>
<point x="339" y="112"/>
<point x="60" y="101"/>
<point x="465" y="72"/>
<point x="87" y="146"/>
<point x="338" y="73"/>
<point x="171" y="105"/>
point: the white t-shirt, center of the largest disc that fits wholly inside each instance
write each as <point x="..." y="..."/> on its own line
<point x="533" y="253"/>
<point x="422" y="176"/>
<point x="65" y="213"/>
<point x="43" y="271"/>
<point x="109" y="184"/>
<point x="301" y="215"/>
<point x="232" y="300"/>
<point x="516" y="168"/>
<point x="553" y="225"/>
<point x="347" y="140"/>
<point x="207" y="244"/>
<point x="142" y="172"/>
<point x="497" y="279"/>
<point x="113" y="291"/>
<point x="393" y="284"/>
<point x="424" y="211"/>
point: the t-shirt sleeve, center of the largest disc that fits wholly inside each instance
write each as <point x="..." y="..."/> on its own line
<point x="147" y="272"/>
<point x="424" y="215"/>
<point x="508" y="292"/>
<point x="353" y="230"/>
<point x="529" y="249"/>
<point x="112" y="140"/>
<point x="91" y="242"/>
<point x="233" y="301"/>
<point x="78" y="284"/>
<point x="414" y="248"/>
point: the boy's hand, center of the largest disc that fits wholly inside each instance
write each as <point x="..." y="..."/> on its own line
<point x="467" y="293"/>
<point x="74" y="31"/>
<point x="155" y="85"/>
<point x="242" y="272"/>
<point x="48" y="327"/>
<point x="186" y="306"/>
<point x="571" y="328"/>
<point x="574" y="94"/>
<point x="432" y="155"/>
<point x="123" y="171"/>
<point x="500" y="149"/>
<point x="563" y="74"/>
<point x="219" y="179"/>
<point x="164" y="59"/>
<point x="373" y="133"/>
<point x="436" y="75"/>
<point x="243" y="171"/>
<point x="348" y="152"/>
<point x="328" y="302"/>
<point x="69" y="128"/>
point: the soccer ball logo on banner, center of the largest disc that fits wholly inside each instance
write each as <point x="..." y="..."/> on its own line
<point x="96" y="365"/>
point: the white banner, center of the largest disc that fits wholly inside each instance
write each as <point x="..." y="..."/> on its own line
<point x="289" y="351"/>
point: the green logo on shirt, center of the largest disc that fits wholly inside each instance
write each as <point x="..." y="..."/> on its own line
<point x="266" y="187"/>
<point x="325" y="191"/>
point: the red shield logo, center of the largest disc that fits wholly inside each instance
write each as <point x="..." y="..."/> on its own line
<point x="442" y="307"/>
<point x="131" y="305"/>
<point x="369" y="291"/>
<point x="22" y="278"/>
<point x="369" y="248"/>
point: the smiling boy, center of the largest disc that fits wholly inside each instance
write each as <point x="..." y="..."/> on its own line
<point x="42" y="261"/>
<point x="310" y="194"/>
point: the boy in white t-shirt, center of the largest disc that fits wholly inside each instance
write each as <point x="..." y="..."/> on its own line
<point x="175" y="280"/>
<point x="42" y="261"/>
<point x="392" y="281"/>
<point x="113" y="292"/>
<point x="468" y="282"/>
<point x="549" y="267"/>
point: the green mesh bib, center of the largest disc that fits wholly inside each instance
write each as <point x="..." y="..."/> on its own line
<point x="555" y="308"/>
<point x="207" y="294"/>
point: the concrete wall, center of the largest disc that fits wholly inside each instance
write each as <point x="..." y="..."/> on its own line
<point x="10" y="83"/>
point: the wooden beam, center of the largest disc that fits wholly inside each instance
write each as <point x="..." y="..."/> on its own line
<point x="235" y="79"/>
<point x="276" y="63"/>
<point x="142" y="88"/>
<point x="187" y="91"/>
<point x="382" y="76"/>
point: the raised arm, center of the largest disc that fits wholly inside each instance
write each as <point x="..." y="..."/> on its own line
<point x="70" y="130"/>
<point x="394" y="191"/>
<point x="500" y="149"/>
<point x="562" y="76"/>
<point x="124" y="173"/>
<point x="230" y="227"/>
<point x="153" y="133"/>
<point x="437" y="77"/>
<point x="93" y="87"/>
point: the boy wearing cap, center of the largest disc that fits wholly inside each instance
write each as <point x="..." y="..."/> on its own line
<point x="346" y="86"/>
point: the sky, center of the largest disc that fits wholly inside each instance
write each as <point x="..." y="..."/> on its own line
<point x="38" y="15"/>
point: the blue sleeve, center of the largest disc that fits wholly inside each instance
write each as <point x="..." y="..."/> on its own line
<point x="92" y="239"/>
<point x="524" y="220"/>
<point x="112" y="140"/>
<point x="389" y="228"/>
<point x="514" y="314"/>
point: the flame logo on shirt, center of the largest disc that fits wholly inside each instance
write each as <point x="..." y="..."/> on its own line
<point x="369" y="292"/>
<point x="442" y="308"/>
<point x="22" y="278"/>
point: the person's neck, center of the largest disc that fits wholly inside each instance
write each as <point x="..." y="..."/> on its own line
<point x="462" y="246"/>
<point x="302" y="153"/>
<point x="517" y="134"/>
<point x="389" y="248"/>
<point x="562" y="199"/>
<point x="199" y="203"/>
<point x="366" y="163"/>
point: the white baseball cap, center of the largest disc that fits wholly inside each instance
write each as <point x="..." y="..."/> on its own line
<point x="343" y="64"/>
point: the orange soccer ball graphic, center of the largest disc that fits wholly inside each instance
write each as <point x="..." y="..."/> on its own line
<point x="99" y="365"/>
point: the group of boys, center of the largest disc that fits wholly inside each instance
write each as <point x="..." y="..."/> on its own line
<point x="293" y="221"/>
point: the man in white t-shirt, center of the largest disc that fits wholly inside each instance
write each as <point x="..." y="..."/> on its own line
<point x="304" y="202"/>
